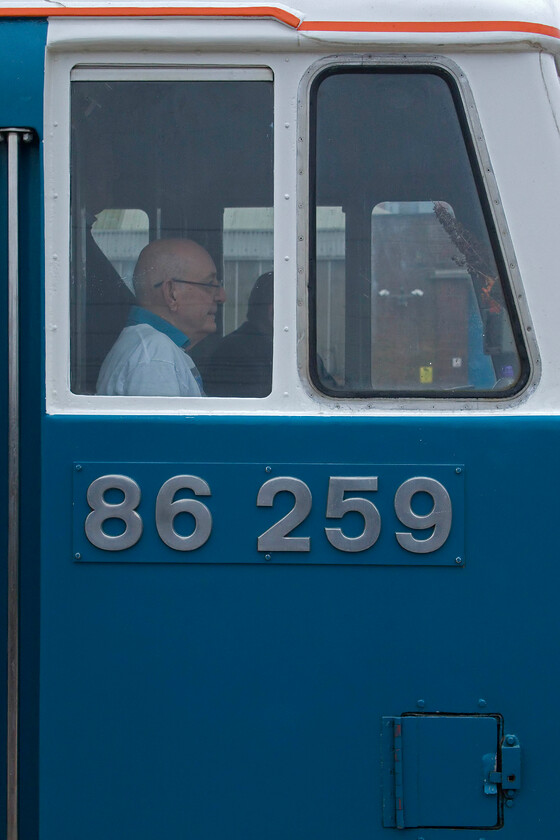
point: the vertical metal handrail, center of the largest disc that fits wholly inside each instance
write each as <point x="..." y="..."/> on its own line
<point x="12" y="135"/>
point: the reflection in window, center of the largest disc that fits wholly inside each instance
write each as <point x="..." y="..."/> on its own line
<point x="331" y="227"/>
<point x="240" y="364"/>
<point x="121" y="235"/>
<point x="248" y="253"/>
<point x="427" y="308"/>
<point x="146" y="283"/>
<point x="419" y="306"/>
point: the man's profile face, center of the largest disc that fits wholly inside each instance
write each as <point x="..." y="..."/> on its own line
<point x="197" y="304"/>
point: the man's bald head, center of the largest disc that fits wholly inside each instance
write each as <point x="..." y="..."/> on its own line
<point x="164" y="259"/>
<point x="176" y="279"/>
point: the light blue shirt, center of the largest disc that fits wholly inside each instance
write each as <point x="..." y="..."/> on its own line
<point x="137" y="315"/>
<point x="148" y="359"/>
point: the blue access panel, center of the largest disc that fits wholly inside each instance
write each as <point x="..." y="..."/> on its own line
<point x="435" y="767"/>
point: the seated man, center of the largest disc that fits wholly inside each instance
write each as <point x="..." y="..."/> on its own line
<point x="178" y="294"/>
<point x="241" y="365"/>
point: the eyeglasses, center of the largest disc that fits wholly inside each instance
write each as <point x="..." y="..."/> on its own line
<point x="213" y="284"/>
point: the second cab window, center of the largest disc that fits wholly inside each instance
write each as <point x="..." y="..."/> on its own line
<point x="172" y="246"/>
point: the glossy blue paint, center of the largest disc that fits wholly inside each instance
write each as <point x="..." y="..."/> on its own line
<point x="244" y="701"/>
<point x="22" y="47"/>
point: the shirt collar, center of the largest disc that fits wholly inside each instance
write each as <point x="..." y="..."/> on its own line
<point x="138" y="315"/>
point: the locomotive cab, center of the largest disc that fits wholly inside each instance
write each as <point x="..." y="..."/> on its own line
<point x="314" y="596"/>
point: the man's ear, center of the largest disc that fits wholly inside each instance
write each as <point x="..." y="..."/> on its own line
<point x="168" y="292"/>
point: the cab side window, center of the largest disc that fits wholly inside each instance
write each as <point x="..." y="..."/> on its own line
<point x="421" y="304"/>
<point x="171" y="208"/>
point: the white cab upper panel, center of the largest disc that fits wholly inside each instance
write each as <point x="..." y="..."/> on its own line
<point x="533" y="23"/>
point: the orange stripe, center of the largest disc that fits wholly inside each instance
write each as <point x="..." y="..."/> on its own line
<point x="416" y="26"/>
<point x="288" y="18"/>
<point x="147" y="11"/>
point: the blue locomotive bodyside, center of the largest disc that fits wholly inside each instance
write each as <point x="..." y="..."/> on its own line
<point x="314" y="597"/>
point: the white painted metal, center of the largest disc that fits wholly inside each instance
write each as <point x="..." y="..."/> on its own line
<point x="309" y="15"/>
<point x="517" y="98"/>
<point x="171" y="74"/>
<point x="540" y="11"/>
<point x="287" y="386"/>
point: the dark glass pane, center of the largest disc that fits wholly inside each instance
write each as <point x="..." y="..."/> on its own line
<point x="419" y="305"/>
<point x="159" y="162"/>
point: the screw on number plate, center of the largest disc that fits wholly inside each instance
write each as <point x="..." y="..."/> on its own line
<point x="420" y="703"/>
<point x="459" y="561"/>
<point x="268" y="556"/>
<point x="77" y="556"/>
<point x="78" y="467"/>
<point x="458" y="470"/>
<point x="268" y="469"/>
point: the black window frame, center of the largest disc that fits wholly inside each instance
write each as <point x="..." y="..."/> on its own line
<point x="518" y="332"/>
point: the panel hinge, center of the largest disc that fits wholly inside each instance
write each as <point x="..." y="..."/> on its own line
<point x="508" y="776"/>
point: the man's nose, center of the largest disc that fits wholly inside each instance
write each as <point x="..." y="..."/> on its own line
<point x="221" y="294"/>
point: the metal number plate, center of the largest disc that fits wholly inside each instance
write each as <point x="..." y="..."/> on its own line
<point x="254" y="513"/>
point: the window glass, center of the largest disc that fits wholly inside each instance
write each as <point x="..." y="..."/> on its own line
<point x="419" y="305"/>
<point x="241" y="364"/>
<point x="248" y="253"/>
<point x="331" y="309"/>
<point x="171" y="197"/>
<point x="121" y="235"/>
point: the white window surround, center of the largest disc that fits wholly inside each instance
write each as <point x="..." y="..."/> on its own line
<point x="291" y="393"/>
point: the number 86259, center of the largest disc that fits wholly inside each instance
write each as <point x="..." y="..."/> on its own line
<point x="344" y="496"/>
